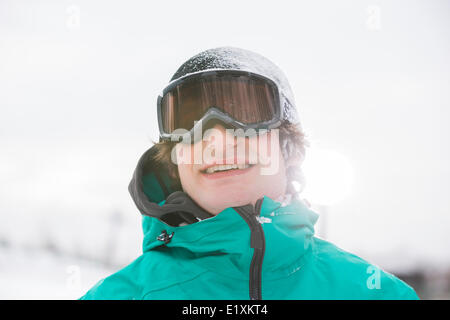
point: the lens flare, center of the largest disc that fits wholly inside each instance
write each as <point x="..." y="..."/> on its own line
<point x="329" y="176"/>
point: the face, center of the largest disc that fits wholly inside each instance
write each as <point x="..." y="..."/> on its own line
<point x="223" y="170"/>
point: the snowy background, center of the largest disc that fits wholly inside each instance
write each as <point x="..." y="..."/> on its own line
<point x="78" y="86"/>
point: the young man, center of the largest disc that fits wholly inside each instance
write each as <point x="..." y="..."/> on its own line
<point x="219" y="195"/>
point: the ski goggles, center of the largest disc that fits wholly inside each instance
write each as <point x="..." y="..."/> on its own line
<point x="235" y="98"/>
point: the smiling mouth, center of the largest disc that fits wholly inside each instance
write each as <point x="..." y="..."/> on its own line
<point x="225" y="168"/>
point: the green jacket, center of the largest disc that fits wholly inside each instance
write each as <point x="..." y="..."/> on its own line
<point x="264" y="252"/>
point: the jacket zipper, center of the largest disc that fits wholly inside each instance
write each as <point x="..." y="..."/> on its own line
<point x="258" y="243"/>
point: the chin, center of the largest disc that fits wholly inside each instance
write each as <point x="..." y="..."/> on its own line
<point x="228" y="200"/>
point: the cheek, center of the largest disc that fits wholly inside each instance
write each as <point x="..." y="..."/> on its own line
<point x="185" y="172"/>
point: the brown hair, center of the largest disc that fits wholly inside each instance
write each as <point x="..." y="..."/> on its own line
<point x="292" y="144"/>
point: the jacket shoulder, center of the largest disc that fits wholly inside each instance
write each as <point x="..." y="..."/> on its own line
<point x="121" y="285"/>
<point x="152" y="271"/>
<point x="358" y="278"/>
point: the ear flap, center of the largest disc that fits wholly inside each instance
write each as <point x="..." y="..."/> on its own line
<point x="151" y="182"/>
<point x="157" y="184"/>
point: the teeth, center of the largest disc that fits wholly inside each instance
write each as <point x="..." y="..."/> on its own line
<point x="224" y="167"/>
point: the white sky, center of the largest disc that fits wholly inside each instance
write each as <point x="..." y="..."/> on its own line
<point x="371" y="80"/>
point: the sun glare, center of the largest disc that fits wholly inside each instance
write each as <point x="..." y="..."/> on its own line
<point x="329" y="177"/>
